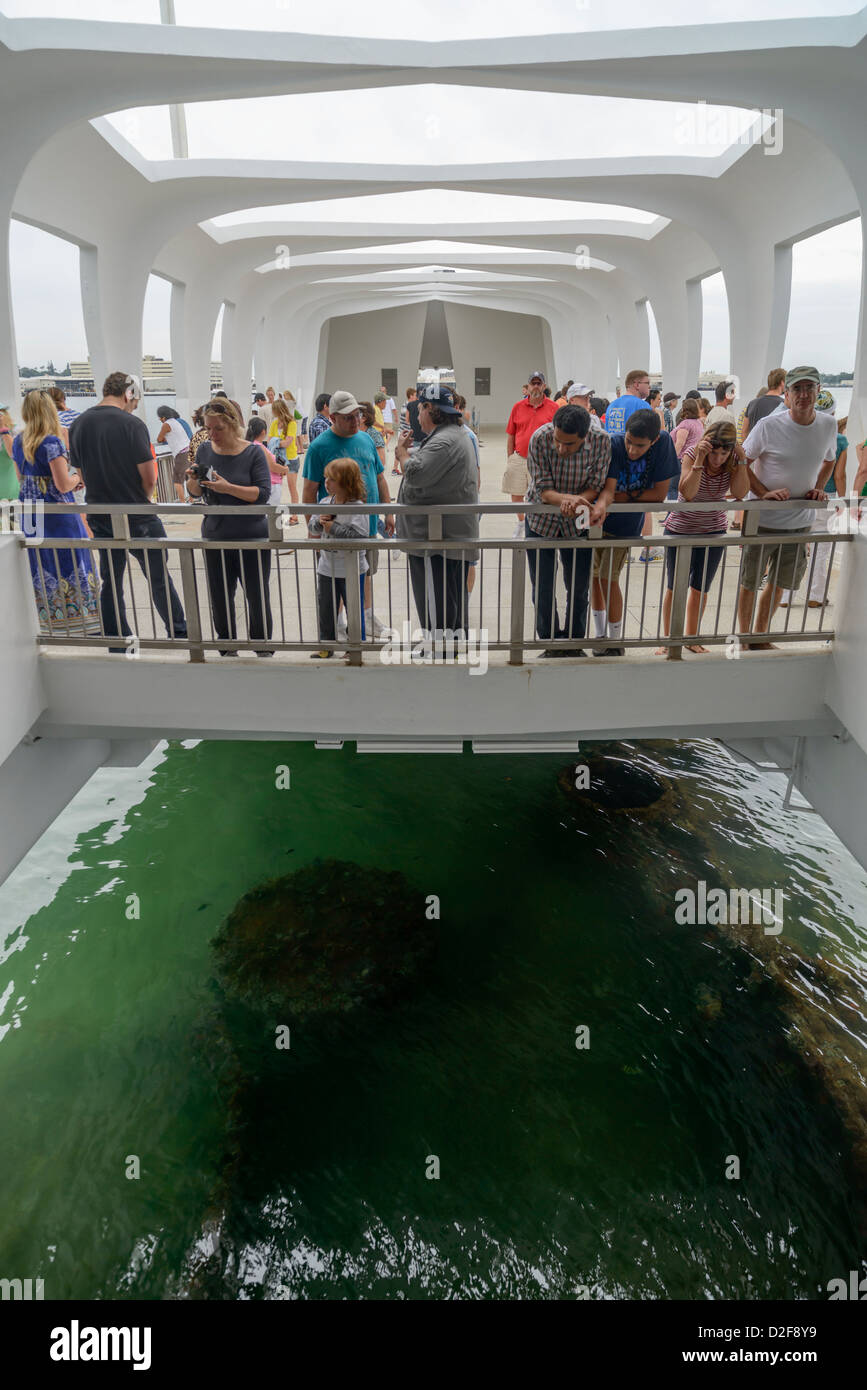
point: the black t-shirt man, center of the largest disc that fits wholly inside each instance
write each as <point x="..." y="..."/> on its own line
<point x="107" y="445"/>
<point x="110" y="447"/>
<point x="760" y="407"/>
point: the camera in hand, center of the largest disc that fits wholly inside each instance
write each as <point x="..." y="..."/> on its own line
<point x="201" y="470"/>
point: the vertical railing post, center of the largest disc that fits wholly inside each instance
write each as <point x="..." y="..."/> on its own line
<point x="353" y="607"/>
<point x="749" y="528"/>
<point x="187" y="559"/>
<point x="680" y="589"/>
<point x="516" y="601"/>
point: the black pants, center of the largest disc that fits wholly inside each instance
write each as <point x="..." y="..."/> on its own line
<point x="330" y="593"/>
<point x="439" y="587"/>
<point x="111" y="598"/>
<point x="225" y="569"/>
<point x="576" y="576"/>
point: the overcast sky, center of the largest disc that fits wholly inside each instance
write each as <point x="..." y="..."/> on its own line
<point x="438" y="124"/>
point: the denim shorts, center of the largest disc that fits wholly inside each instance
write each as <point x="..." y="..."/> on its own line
<point x="701" y="556"/>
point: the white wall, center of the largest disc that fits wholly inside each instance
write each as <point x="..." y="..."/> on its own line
<point x="360" y="345"/>
<point x="22" y="698"/>
<point x="512" y="345"/>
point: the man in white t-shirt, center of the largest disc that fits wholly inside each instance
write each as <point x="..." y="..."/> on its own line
<point x="389" y="412"/>
<point x="790" y="455"/>
<point x="725" y="395"/>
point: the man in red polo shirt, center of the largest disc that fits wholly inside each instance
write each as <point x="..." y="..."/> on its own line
<point x="527" y="416"/>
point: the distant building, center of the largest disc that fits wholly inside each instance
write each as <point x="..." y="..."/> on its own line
<point x="157" y="374"/>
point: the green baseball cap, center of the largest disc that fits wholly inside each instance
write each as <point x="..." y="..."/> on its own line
<point x="802" y="374"/>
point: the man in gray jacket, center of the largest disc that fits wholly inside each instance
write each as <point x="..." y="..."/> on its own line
<point x="441" y="469"/>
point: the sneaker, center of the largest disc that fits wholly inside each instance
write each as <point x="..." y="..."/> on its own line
<point x="559" y="651"/>
<point x="321" y="656"/>
<point x="609" y="651"/>
<point x="519" y="533"/>
<point x="373" y="624"/>
<point x="652" y="554"/>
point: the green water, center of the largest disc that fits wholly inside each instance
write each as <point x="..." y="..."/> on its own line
<point x="559" y="1168"/>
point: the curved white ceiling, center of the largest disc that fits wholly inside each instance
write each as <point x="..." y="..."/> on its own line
<point x="454" y="19"/>
<point x="439" y="124"/>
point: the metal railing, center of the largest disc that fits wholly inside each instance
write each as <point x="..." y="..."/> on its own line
<point x="267" y="602"/>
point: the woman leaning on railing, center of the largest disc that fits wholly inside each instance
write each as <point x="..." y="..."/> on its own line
<point x="712" y="470"/>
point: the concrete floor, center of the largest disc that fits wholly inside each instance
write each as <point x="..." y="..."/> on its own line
<point x="293" y="587"/>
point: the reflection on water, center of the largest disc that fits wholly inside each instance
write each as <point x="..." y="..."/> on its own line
<point x="456" y="1143"/>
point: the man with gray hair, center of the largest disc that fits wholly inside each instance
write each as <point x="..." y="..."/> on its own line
<point x="440" y="470"/>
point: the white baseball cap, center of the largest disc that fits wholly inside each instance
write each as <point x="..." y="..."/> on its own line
<point x="578" y="389"/>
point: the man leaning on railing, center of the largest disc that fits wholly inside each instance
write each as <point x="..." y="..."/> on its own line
<point x="790" y="455"/>
<point x="111" y="449"/>
<point x="568" y="464"/>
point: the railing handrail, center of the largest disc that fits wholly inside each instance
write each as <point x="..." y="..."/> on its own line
<point x="402" y="509"/>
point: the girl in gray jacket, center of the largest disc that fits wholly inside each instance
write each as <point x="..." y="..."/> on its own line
<point x="342" y="478"/>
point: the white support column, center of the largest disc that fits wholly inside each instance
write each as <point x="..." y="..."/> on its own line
<point x="201" y="303"/>
<point x="9" y="388"/>
<point x="671" y="311"/>
<point x="694" y="329"/>
<point x="749" y="273"/>
<point x="780" y="307"/>
<point x="113" y="286"/>
<point x="179" y="349"/>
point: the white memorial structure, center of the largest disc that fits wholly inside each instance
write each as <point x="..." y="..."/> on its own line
<point x="303" y="293"/>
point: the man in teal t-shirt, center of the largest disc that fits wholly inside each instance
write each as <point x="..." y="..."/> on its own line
<point x="344" y="440"/>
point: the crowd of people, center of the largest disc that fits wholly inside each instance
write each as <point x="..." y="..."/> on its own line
<point x="576" y="451"/>
<point x="581" y="453"/>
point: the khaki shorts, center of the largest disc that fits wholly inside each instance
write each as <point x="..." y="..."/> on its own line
<point x="616" y="558"/>
<point x="516" y="479"/>
<point x="792" y="560"/>
<point x="180" y="464"/>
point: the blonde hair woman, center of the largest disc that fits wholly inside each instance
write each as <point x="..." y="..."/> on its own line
<point x="64" y="582"/>
<point x="8" y="474"/>
<point x="283" y="430"/>
<point x="713" y="469"/>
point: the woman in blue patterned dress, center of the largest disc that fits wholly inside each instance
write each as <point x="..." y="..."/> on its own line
<point x="64" y="582"/>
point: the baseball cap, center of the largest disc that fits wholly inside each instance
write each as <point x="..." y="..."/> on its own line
<point x="342" y="403"/>
<point x="578" y="389"/>
<point x="441" y="396"/>
<point x="670" y="396"/>
<point x="540" y="375"/>
<point x="802" y="374"/>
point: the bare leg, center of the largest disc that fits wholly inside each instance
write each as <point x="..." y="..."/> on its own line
<point x="666" y="620"/>
<point x="695" y="605"/>
<point x="769" y="602"/>
<point x="519" y="498"/>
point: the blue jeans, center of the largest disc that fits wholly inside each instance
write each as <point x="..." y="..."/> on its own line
<point x="576" y="575"/>
<point x="165" y="596"/>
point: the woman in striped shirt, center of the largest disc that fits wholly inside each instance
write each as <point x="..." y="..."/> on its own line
<point x="711" y="470"/>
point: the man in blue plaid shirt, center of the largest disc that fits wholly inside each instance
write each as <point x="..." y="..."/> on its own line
<point x="568" y="464"/>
